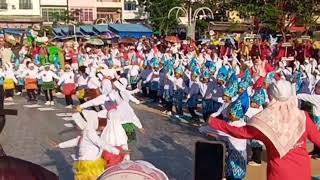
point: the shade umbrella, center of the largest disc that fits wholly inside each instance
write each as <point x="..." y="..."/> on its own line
<point x="172" y="39"/>
<point x="95" y="41"/>
<point x="128" y="40"/>
<point x="108" y="35"/>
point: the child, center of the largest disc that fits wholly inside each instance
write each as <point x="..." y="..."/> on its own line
<point x="89" y="164"/>
<point x="236" y="164"/>
<point x="193" y="91"/>
<point x="82" y="83"/>
<point x="143" y="76"/>
<point x="134" y="75"/>
<point x="48" y="84"/>
<point x="314" y="99"/>
<point x="30" y="76"/>
<point x="9" y="82"/>
<point x="179" y="88"/>
<point x="155" y="81"/>
<point x="69" y="86"/>
<point x="258" y="100"/>
<point x="168" y="94"/>
<point x="206" y="88"/>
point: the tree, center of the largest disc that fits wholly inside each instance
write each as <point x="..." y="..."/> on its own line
<point x="64" y="17"/>
<point x="277" y="15"/>
<point x="158" y="14"/>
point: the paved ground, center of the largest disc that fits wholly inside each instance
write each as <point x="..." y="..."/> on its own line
<point x="169" y="145"/>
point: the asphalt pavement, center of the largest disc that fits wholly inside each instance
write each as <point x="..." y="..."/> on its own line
<point x="168" y="143"/>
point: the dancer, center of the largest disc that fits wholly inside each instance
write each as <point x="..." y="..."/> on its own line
<point x="48" y="78"/>
<point x="69" y="87"/>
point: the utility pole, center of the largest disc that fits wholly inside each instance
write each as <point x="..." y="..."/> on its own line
<point x="68" y="13"/>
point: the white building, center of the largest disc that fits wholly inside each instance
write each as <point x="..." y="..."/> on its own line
<point x="53" y="10"/>
<point x="132" y="12"/>
<point x="19" y="13"/>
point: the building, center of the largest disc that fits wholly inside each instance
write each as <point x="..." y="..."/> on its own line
<point x="110" y="10"/>
<point x="90" y="11"/>
<point x="53" y="10"/>
<point x="132" y="12"/>
<point x="19" y="13"/>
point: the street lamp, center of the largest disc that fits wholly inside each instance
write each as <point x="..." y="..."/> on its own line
<point x="192" y="18"/>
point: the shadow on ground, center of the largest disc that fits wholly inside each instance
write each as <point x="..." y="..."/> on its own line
<point x="166" y="151"/>
<point x="64" y="169"/>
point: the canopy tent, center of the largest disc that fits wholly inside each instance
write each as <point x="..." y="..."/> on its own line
<point x="131" y="30"/>
<point x="100" y="29"/>
<point x="87" y="29"/>
<point x="58" y="31"/>
<point x="13" y="31"/>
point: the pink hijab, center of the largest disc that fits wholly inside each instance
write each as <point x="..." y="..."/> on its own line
<point x="282" y="121"/>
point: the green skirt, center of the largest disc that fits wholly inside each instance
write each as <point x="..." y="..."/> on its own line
<point x="48" y="85"/>
<point x="130" y="130"/>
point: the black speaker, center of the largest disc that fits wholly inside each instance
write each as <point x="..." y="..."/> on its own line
<point x="210" y="160"/>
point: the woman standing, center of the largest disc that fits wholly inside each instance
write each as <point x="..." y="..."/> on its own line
<point x="284" y="129"/>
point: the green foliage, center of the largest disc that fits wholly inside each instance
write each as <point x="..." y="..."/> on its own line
<point x="158" y="11"/>
<point x="275" y="14"/>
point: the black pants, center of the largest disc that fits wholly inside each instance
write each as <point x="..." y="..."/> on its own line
<point x="81" y="101"/>
<point x="69" y="100"/>
<point x="168" y="105"/>
<point x="154" y="95"/>
<point x="256" y="154"/>
<point x="9" y="92"/>
<point x="19" y="88"/>
<point x="32" y="94"/>
<point x="192" y="111"/>
<point x="134" y="86"/>
<point x="39" y="89"/>
<point x="48" y="95"/>
<point x="145" y="90"/>
<point x="179" y="110"/>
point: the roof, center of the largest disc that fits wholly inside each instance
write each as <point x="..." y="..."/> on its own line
<point x="228" y="27"/>
<point x="130" y="28"/>
<point x="20" y="19"/>
<point x="100" y="28"/>
<point x="87" y="29"/>
<point x="14" y="31"/>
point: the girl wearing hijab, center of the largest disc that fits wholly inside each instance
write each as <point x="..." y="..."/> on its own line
<point x="284" y="129"/>
<point x="48" y="78"/>
<point x="89" y="164"/>
<point x="30" y="76"/>
<point x="119" y="97"/>
<point x="258" y="100"/>
<point x="9" y="82"/>
<point x="69" y="87"/>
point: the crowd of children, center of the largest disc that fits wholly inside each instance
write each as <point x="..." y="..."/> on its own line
<point x="227" y="80"/>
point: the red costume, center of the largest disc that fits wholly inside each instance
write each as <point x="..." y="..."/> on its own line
<point x="295" y="165"/>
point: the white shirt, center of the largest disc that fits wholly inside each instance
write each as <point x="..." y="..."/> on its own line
<point x="31" y="74"/>
<point x="82" y="81"/>
<point x="66" y="78"/>
<point x="93" y="83"/>
<point x="10" y="75"/>
<point x="90" y="145"/>
<point x="313" y="99"/>
<point x="134" y="71"/>
<point x="106" y="86"/>
<point x="47" y="76"/>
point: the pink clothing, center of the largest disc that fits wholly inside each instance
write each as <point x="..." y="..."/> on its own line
<point x="295" y="165"/>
